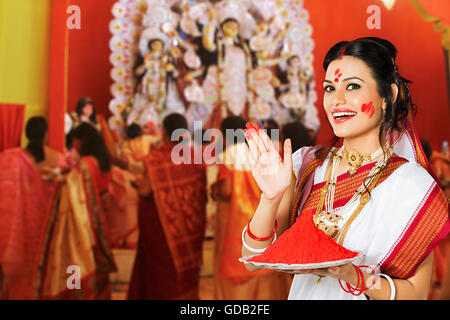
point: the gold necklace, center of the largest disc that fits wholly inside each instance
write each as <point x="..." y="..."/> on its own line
<point x="356" y="159"/>
<point x="324" y="211"/>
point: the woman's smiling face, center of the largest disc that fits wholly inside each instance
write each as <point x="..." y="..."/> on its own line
<point x="351" y="99"/>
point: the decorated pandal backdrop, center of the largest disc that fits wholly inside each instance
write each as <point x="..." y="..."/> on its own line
<point x="210" y="59"/>
<point x="48" y="72"/>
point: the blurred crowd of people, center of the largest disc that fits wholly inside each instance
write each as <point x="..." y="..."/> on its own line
<point x="60" y="210"/>
<point x="72" y="209"/>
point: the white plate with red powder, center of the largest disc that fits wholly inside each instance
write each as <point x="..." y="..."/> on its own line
<point x="285" y="266"/>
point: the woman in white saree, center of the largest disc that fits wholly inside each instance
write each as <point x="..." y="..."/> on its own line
<point x="372" y="192"/>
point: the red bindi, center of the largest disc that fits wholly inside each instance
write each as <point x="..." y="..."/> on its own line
<point x="338" y="74"/>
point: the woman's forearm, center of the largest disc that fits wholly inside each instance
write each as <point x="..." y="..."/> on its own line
<point x="413" y="288"/>
<point x="263" y="222"/>
<point x="381" y="290"/>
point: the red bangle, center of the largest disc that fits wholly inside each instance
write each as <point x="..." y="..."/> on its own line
<point x="351" y="289"/>
<point x="251" y="235"/>
<point x="354" y="290"/>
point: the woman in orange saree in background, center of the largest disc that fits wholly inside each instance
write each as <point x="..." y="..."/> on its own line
<point x="76" y="240"/>
<point x="238" y="195"/>
<point x="172" y="225"/>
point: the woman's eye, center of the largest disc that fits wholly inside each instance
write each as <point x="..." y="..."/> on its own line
<point x="353" y="86"/>
<point x="328" y="88"/>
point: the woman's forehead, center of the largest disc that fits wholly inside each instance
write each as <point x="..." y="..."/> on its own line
<point x="349" y="66"/>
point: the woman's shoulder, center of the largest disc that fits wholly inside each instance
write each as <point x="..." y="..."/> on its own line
<point x="413" y="172"/>
<point x="410" y="178"/>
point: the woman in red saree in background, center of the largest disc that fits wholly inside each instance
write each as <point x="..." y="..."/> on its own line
<point x="238" y="195"/>
<point x="24" y="210"/>
<point x="171" y="223"/>
<point x="77" y="237"/>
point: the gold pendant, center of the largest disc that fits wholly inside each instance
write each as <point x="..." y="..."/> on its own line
<point x="330" y="231"/>
<point x="332" y="217"/>
<point x="354" y="158"/>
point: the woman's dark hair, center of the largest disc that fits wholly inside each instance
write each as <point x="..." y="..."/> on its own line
<point x="134" y="130"/>
<point x="427" y="149"/>
<point x="173" y="122"/>
<point x="232" y="122"/>
<point x="379" y="55"/>
<point x="237" y="124"/>
<point x="298" y="134"/>
<point x="269" y="125"/>
<point x="92" y="144"/>
<point x="35" y="131"/>
<point x="80" y="106"/>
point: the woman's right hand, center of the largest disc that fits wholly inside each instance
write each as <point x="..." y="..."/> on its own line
<point x="272" y="173"/>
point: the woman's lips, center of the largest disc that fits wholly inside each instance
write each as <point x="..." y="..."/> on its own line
<point x="342" y="119"/>
<point x="342" y="115"/>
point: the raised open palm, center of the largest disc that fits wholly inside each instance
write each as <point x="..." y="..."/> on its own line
<point x="272" y="173"/>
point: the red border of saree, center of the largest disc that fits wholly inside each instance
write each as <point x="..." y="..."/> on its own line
<point x="105" y="262"/>
<point x="426" y="228"/>
<point x="347" y="185"/>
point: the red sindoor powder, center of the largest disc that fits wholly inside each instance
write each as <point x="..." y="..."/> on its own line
<point x="303" y="243"/>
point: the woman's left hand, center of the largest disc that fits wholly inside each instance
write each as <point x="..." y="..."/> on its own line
<point x="344" y="272"/>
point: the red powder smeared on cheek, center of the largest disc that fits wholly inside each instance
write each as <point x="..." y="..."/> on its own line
<point x="303" y="243"/>
<point x="368" y="108"/>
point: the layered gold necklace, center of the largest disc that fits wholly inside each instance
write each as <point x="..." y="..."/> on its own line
<point x="327" y="220"/>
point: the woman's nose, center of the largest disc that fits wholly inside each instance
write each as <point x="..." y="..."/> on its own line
<point x="338" y="97"/>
